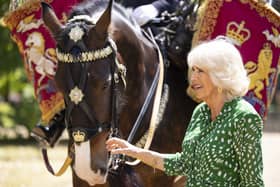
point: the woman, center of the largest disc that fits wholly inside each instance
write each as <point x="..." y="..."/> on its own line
<point x="222" y="145"/>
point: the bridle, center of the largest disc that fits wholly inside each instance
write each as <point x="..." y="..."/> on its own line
<point x="75" y="97"/>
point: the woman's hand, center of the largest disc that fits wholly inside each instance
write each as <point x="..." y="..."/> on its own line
<point x="151" y="158"/>
<point x="120" y="146"/>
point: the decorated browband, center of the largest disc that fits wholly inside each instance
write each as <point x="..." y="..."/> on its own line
<point x="76" y="34"/>
<point x="88" y="56"/>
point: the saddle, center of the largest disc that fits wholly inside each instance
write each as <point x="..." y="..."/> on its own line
<point x="173" y="33"/>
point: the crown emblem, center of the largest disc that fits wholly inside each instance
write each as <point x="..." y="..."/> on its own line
<point x="76" y="95"/>
<point x="237" y="33"/>
<point x="76" y="34"/>
<point x="79" y="136"/>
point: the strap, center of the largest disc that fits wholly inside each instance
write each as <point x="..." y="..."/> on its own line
<point x="144" y="107"/>
<point x="86" y="134"/>
<point x="63" y="168"/>
<point x="156" y="105"/>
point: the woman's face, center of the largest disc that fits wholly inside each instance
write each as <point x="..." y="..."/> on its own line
<point x="202" y="85"/>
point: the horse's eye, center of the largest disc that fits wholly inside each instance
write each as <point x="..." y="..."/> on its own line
<point x="106" y="85"/>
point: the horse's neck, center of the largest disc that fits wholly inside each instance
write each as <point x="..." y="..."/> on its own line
<point x="139" y="56"/>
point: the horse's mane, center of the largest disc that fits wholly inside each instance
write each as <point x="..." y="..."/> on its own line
<point x="88" y="8"/>
<point x="93" y="7"/>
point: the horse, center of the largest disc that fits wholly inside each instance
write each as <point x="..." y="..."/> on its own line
<point x="36" y="55"/>
<point x="109" y="72"/>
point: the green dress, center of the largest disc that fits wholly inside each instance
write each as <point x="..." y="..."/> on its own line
<point x="225" y="152"/>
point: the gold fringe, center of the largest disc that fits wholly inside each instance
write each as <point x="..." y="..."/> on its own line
<point x="12" y="18"/>
<point x="51" y="107"/>
<point x="207" y="20"/>
<point x="209" y="12"/>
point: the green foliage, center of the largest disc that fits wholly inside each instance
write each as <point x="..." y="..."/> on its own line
<point x="4" y="5"/>
<point x="17" y="102"/>
<point x="6" y="114"/>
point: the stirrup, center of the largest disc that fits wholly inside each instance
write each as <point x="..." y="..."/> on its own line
<point x="43" y="143"/>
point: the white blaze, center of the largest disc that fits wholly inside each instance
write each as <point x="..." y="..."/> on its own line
<point x="82" y="165"/>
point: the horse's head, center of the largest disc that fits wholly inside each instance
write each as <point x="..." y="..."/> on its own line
<point x="89" y="77"/>
<point x="35" y="39"/>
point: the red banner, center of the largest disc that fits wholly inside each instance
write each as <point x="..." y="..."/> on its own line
<point x="254" y="29"/>
<point x="38" y="49"/>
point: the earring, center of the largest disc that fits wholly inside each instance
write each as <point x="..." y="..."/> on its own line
<point x="220" y="90"/>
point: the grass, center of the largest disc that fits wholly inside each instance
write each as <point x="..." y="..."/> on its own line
<point x="23" y="166"/>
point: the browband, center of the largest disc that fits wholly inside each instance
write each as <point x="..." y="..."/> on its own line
<point x="89" y="56"/>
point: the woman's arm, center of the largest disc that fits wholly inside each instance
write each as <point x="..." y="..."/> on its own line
<point x="151" y="158"/>
<point x="249" y="151"/>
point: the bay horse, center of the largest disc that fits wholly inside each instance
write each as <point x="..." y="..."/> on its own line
<point x="106" y="69"/>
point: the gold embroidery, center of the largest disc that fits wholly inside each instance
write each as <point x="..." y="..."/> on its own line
<point x="206" y="21"/>
<point x="51" y="106"/>
<point x="12" y="19"/>
<point x="44" y="60"/>
<point x="274" y="37"/>
<point x="28" y="23"/>
<point x="209" y="12"/>
<point x="259" y="72"/>
<point x="237" y="32"/>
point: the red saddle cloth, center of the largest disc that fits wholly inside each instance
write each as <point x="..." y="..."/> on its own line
<point x="254" y="28"/>
<point x="38" y="49"/>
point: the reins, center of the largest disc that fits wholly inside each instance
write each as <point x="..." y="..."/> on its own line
<point x="65" y="165"/>
<point x="159" y="79"/>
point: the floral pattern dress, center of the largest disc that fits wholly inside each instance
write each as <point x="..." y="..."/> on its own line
<point x="225" y="152"/>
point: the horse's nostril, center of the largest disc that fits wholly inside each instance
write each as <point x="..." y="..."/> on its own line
<point x="101" y="171"/>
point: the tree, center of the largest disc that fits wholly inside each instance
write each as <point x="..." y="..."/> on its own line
<point x="17" y="102"/>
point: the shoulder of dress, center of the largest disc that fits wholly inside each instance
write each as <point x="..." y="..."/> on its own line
<point x="247" y="117"/>
<point x="244" y="109"/>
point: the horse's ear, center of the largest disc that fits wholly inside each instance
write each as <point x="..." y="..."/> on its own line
<point x="104" y="20"/>
<point x="50" y="19"/>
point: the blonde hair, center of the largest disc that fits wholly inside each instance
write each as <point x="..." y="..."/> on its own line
<point x="223" y="62"/>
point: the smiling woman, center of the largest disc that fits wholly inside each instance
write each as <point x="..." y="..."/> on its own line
<point x="201" y="84"/>
<point x="223" y="64"/>
<point x="222" y="145"/>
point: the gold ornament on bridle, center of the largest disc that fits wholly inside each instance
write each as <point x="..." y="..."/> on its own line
<point x="79" y="136"/>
